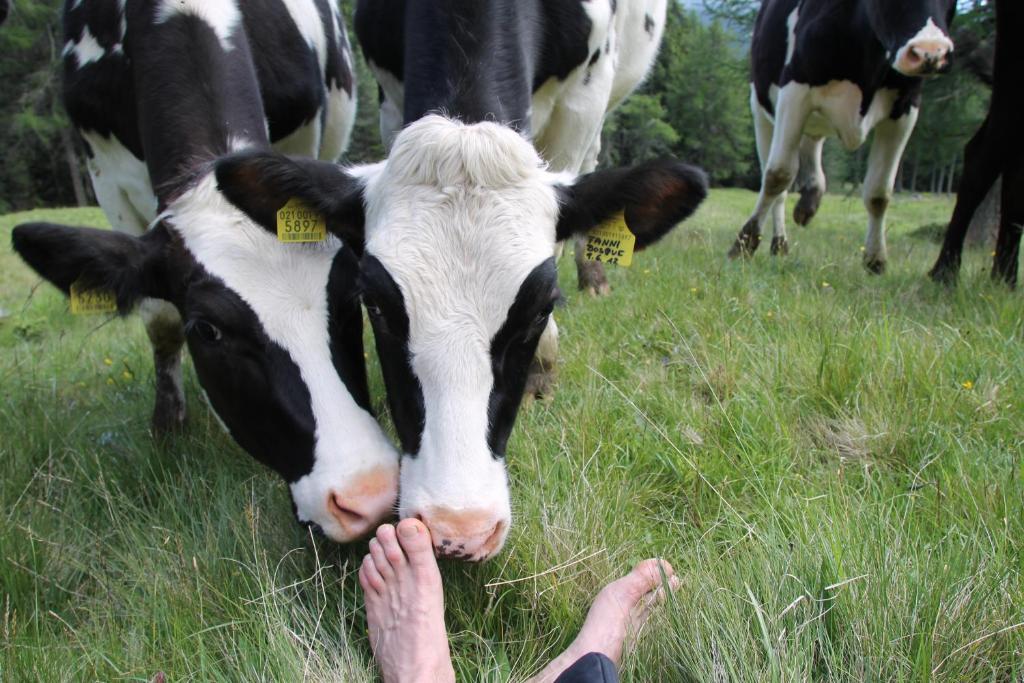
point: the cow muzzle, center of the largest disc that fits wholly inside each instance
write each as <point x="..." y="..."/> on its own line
<point x="473" y="535"/>
<point x="924" y="57"/>
<point x="364" y="504"/>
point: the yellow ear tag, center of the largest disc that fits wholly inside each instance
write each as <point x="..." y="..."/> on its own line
<point x="86" y="301"/>
<point x="611" y="242"/>
<point x="297" y="222"/>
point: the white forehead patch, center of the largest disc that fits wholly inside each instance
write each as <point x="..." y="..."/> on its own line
<point x="460" y="215"/>
<point x="221" y="15"/>
<point x="286" y="287"/>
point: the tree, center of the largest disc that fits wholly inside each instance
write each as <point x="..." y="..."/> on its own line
<point x="39" y="163"/>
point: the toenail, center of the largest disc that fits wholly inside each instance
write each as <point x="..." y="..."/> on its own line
<point x="410" y="530"/>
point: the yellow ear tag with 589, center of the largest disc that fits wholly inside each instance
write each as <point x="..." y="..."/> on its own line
<point x="297" y="222"/>
<point x="85" y="301"/>
<point x="611" y="242"/>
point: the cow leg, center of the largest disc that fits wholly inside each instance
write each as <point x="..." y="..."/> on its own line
<point x="780" y="244"/>
<point x="891" y="139"/>
<point x="982" y="166"/>
<point x="810" y="180"/>
<point x="590" y="275"/>
<point x="163" y="325"/>
<point x="783" y="159"/>
<point x="1011" y="224"/>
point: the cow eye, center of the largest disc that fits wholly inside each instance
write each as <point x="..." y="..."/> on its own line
<point x="373" y="309"/>
<point x="206" y="330"/>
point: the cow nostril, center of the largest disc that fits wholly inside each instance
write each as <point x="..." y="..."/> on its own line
<point x="349" y="518"/>
<point x="492" y="541"/>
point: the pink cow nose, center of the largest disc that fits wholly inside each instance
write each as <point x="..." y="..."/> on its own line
<point x="360" y="507"/>
<point x="472" y="535"/>
<point x="924" y="57"/>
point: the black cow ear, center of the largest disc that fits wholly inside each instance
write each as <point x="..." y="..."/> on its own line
<point x="654" y="196"/>
<point x="132" y="268"/>
<point x="260" y="183"/>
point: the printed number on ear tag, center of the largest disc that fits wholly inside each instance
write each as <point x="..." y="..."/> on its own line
<point x="297" y="222"/>
<point x="86" y="301"/>
<point x="611" y="242"/>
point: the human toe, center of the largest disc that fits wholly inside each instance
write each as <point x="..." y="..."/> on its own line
<point x="388" y="540"/>
<point x="415" y="540"/>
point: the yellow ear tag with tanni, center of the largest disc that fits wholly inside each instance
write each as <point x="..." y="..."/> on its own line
<point x="298" y="222"/>
<point x="85" y="301"/>
<point x="611" y="242"/>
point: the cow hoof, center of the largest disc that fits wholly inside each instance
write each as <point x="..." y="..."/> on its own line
<point x="807" y="207"/>
<point x="592" y="279"/>
<point x="540" y="381"/>
<point x="780" y="246"/>
<point x="744" y="246"/>
<point x="169" y="417"/>
<point x="875" y="266"/>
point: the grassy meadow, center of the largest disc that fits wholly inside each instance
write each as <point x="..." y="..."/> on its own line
<point x="830" y="460"/>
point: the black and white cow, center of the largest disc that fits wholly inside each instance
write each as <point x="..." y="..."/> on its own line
<point x="997" y="149"/>
<point x="459" y="226"/>
<point x="842" y="68"/>
<point x="159" y="89"/>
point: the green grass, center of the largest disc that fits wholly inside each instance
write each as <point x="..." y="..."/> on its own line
<point x="830" y="460"/>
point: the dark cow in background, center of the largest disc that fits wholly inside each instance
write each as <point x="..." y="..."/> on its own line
<point x="459" y="226"/>
<point x="997" y="149"/>
<point x="843" y="68"/>
<point x="5" y="9"/>
<point x="159" y="89"/>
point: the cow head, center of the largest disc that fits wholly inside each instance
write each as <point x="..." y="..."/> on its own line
<point x="275" y="334"/>
<point x="459" y="228"/>
<point x="914" y="33"/>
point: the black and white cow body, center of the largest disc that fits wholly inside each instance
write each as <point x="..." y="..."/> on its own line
<point x="459" y="226"/>
<point x="997" y="149"/>
<point x="159" y="89"/>
<point x="839" y="68"/>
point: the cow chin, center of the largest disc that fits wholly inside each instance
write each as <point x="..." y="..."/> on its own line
<point x="346" y="507"/>
<point x="465" y="505"/>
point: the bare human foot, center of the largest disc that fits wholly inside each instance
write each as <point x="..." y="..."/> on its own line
<point x="619" y="612"/>
<point x="405" y="606"/>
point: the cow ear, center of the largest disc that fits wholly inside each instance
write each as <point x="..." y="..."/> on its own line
<point x="129" y="267"/>
<point x="260" y="183"/>
<point x="654" y="196"/>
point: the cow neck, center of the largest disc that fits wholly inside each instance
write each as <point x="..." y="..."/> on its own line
<point x="470" y="60"/>
<point x="198" y="98"/>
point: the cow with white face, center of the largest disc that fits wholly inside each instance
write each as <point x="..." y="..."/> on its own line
<point x="458" y="231"/>
<point x="838" y="68"/>
<point x="159" y="89"/>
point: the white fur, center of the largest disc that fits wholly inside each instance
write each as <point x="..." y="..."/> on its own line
<point x="286" y="287"/>
<point x="459" y="215"/>
<point x="791" y="22"/>
<point x="304" y="140"/>
<point x="86" y="50"/>
<point x="121" y="182"/>
<point x="221" y="15"/>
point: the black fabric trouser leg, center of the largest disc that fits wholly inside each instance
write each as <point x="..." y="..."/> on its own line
<point x="591" y="668"/>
